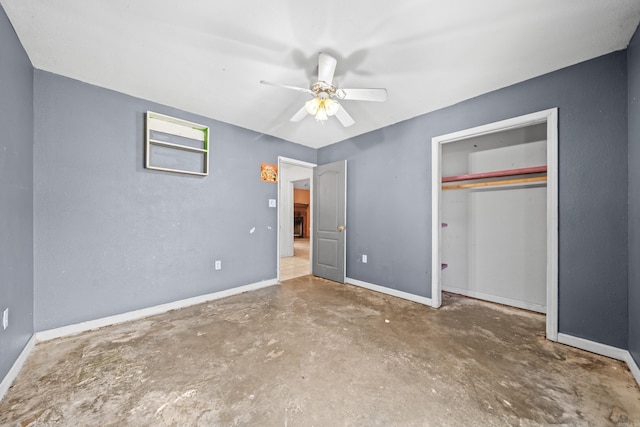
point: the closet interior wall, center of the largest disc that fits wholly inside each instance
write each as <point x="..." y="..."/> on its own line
<point x="494" y="235"/>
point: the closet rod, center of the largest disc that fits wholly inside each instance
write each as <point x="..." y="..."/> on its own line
<point x="495" y="174"/>
<point x="492" y="183"/>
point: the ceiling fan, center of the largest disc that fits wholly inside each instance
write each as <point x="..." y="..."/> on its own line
<point x="325" y="94"/>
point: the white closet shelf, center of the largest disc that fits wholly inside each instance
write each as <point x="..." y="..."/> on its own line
<point x="495" y="183"/>
<point x="496" y="174"/>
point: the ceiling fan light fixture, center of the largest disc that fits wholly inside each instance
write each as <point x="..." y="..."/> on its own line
<point x="331" y="107"/>
<point x="321" y="115"/>
<point x="312" y="106"/>
<point x="321" y="108"/>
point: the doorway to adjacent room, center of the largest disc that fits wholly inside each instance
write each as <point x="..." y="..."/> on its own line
<point x="294" y="218"/>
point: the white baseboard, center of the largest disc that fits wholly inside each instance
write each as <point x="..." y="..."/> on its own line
<point x="389" y="291"/>
<point x="500" y="300"/>
<point x="633" y="367"/>
<point x="65" y="331"/>
<point x="15" y="369"/>
<point x="593" y="347"/>
<point x="603" y="350"/>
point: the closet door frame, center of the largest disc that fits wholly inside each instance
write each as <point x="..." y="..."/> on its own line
<point x="550" y="117"/>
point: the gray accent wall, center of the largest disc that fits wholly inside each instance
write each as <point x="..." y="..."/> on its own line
<point x="389" y="192"/>
<point x="112" y="236"/>
<point x="633" y="58"/>
<point x="16" y="195"/>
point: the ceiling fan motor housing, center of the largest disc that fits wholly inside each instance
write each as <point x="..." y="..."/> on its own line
<point x="321" y="87"/>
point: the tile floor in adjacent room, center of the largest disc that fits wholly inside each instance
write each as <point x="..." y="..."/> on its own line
<point x="298" y="264"/>
<point x="311" y="352"/>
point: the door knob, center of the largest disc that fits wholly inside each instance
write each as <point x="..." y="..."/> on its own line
<point x="340" y="228"/>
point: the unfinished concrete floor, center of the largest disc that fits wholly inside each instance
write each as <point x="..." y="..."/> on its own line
<point x="314" y="353"/>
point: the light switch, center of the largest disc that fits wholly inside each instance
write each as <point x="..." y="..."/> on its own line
<point x="272" y="203"/>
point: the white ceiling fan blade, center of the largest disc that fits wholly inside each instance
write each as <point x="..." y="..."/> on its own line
<point x="377" y="95"/>
<point x="344" y="117"/>
<point x="326" y="67"/>
<point x="299" y="89"/>
<point x="301" y="114"/>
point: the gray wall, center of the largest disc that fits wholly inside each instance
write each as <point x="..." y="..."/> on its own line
<point x="16" y="194"/>
<point x="111" y="236"/>
<point x="633" y="58"/>
<point x="389" y="192"/>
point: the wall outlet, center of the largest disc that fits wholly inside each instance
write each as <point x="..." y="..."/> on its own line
<point x="5" y="318"/>
<point x="218" y="265"/>
<point x="364" y="259"/>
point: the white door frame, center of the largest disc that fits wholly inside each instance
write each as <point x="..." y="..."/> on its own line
<point x="550" y="117"/>
<point x="303" y="164"/>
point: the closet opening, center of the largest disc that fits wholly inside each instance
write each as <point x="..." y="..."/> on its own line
<point x="495" y="214"/>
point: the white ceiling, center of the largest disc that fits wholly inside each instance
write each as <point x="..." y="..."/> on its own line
<point x="207" y="57"/>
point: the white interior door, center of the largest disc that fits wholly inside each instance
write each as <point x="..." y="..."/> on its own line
<point x="330" y="214"/>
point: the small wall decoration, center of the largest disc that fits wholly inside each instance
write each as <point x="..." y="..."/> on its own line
<point x="268" y="172"/>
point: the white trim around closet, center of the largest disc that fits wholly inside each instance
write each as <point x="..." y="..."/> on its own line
<point x="550" y="117"/>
